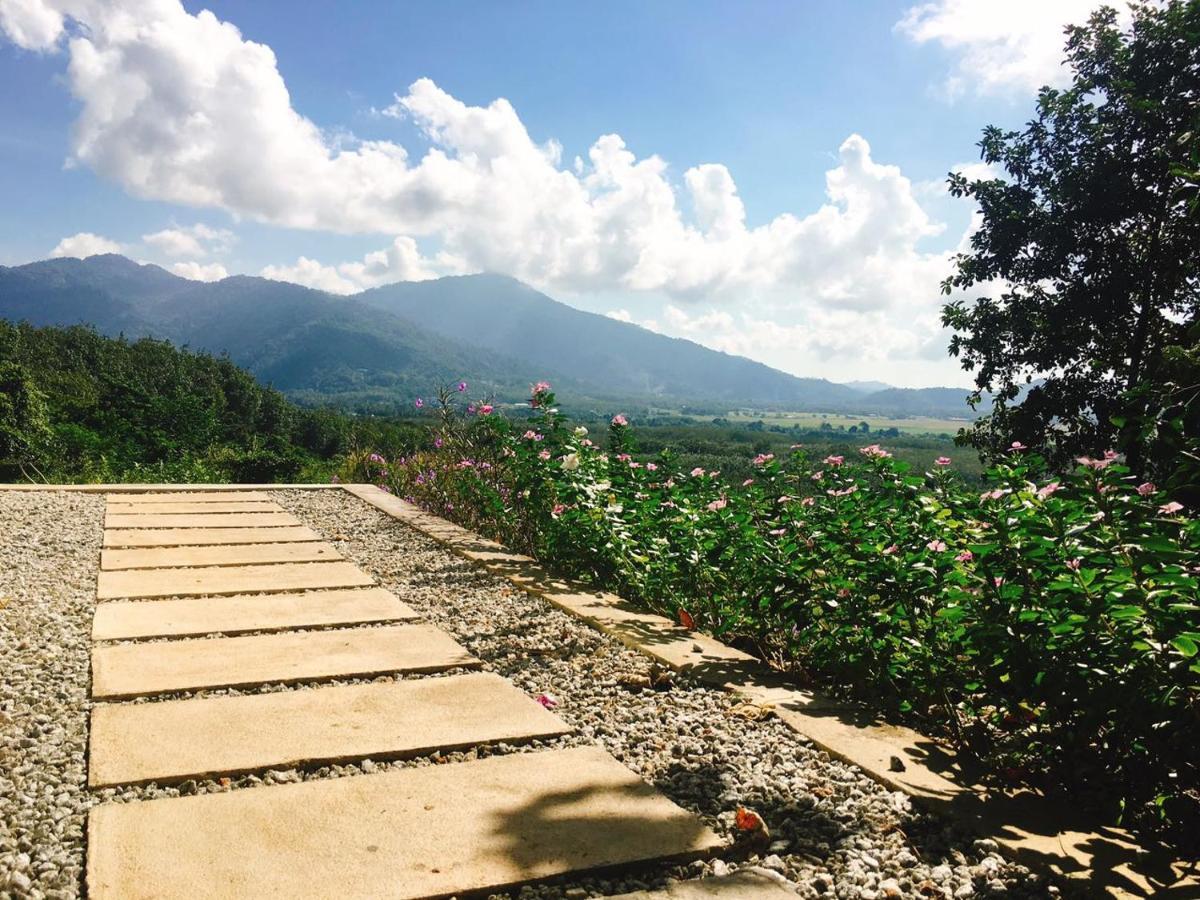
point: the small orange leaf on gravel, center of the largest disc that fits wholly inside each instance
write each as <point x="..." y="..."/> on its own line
<point x="748" y="820"/>
<point x="686" y="620"/>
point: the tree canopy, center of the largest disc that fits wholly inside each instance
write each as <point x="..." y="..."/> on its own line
<point x="1088" y="248"/>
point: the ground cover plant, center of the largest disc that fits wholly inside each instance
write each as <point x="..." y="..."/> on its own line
<point x="1047" y="624"/>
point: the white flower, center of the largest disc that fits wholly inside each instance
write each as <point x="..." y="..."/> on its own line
<point x="580" y="432"/>
<point x="570" y="462"/>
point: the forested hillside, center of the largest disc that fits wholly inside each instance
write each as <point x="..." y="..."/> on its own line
<point x="78" y="406"/>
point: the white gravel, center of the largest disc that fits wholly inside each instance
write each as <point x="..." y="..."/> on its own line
<point x="834" y="831"/>
<point x="49" y="547"/>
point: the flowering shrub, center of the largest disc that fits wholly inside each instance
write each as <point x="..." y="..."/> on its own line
<point x="1048" y="625"/>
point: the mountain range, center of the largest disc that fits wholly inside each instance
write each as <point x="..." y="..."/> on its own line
<point x="379" y="348"/>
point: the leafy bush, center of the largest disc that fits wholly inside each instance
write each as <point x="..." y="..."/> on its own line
<point x="1048" y="625"/>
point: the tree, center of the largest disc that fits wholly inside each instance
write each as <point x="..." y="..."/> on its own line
<point x="1089" y="245"/>
<point x="24" y="429"/>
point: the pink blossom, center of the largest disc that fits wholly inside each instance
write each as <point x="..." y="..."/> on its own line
<point x="651" y="467"/>
<point x="634" y="464"/>
<point x="808" y="501"/>
<point x="1095" y="463"/>
<point x="1049" y="489"/>
<point x="874" y="451"/>
<point x="471" y="409"/>
<point x="844" y="492"/>
<point x="418" y="403"/>
<point x="748" y="482"/>
<point x="834" y="460"/>
<point x="993" y="495"/>
<point x="558" y="510"/>
<point x="1074" y="564"/>
<point x="843" y="593"/>
<point x="620" y="420"/>
<point x="943" y="461"/>
<point x="936" y="546"/>
<point x="540" y="388"/>
<point x="890" y="550"/>
<point x="623" y="457"/>
<point x="965" y="556"/>
<point x="462" y="387"/>
<point x="1169" y="508"/>
<point x="531" y="436"/>
<point x="547" y="700"/>
<point x="763" y="458"/>
<point x="817" y="476"/>
<point x="437" y="442"/>
<point x="486" y="409"/>
<point x="1146" y="488"/>
<point x="720" y="503"/>
<point x="697" y="472"/>
<point x="998" y="581"/>
<point x="1017" y="446"/>
<point x="544" y="454"/>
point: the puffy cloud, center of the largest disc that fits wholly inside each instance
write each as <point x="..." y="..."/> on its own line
<point x="999" y="47"/>
<point x="311" y="273"/>
<point x="402" y="261"/>
<point x="85" y="244"/>
<point x="200" y="271"/>
<point x="196" y="240"/>
<point x="31" y="24"/>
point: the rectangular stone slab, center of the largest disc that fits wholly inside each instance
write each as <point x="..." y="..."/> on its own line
<point x="208" y="506"/>
<point x="133" y="583"/>
<point x="179" y="537"/>
<point x="120" y="620"/>
<point x="199" y="520"/>
<point x="429" y="832"/>
<point x="221" y="555"/>
<point x="132" y="670"/>
<point x="196" y="496"/>
<point x="134" y="743"/>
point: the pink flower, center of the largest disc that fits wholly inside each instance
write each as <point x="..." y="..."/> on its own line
<point x="874" y="451"/>
<point x="540" y="388"/>
<point x="844" y="492"/>
<point x="1169" y="508"/>
<point x="1146" y="488"/>
<point x="720" y="503"/>
<point x="471" y="409"/>
<point x="998" y="581"/>
<point x="943" y="461"/>
<point x="817" y="476"/>
<point x="547" y="700"/>
<point x="697" y="472"/>
<point x="558" y="509"/>
<point x="763" y="458"/>
<point x="1017" y="446"/>
<point x="545" y="454"/>
<point x="418" y="403"/>
<point x="778" y="532"/>
<point x="1049" y="489"/>
<point x="936" y="546"/>
<point x="651" y="467"/>
<point x="462" y="387"/>
<point x="437" y="442"/>
<point x="486" y="409"/>
<point x="808" y="501"/>
<point x="619" y="420"/>
<point x="1096" y="463"/>
<point x="834" y="460"/>
<point x="748" y="482"/>
<point x="993" y="495"/>
<point x="890" y="550"/>
<point x="965" y="556"/>
<point x="623" y="457"/>
<point x="634" y="464"/>
<point x="1074" y="564"/>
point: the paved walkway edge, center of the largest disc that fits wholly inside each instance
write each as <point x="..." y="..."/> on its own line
<point x="1047" y="836"/>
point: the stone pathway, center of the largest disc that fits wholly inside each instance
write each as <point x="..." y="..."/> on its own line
<point x="187" y="569"/>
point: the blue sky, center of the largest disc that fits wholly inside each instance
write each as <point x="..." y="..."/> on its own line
<point x="776" y="189"/>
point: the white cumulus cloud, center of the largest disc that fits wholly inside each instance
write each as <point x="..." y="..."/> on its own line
<point x="999" y="47"/>
<point x="85" y="244"/>
<point x="200" y="271"/>
<point x="195" y="240"/>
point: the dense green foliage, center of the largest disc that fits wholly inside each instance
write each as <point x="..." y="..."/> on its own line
<point x="1092" y="231"/>
<point x="76" y="406"/>
<point x="1047" y="624"/>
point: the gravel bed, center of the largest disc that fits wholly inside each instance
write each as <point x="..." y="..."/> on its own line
<point x="833" y="830"/>
<point x="49" y="547"/>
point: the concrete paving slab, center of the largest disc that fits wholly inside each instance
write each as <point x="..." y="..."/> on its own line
<point x="190" y="506"/>
<point x="133" y="583"/>
<point x="220" y="555"/>
<point x="224" y="495"/>
<point x="134" y="743"/>
<point x="199" y="520"/>
<point x="180" y="537"/>
<point x="119" y="620"/>
<point x="428" y="832"/>
<point x="742" y="885"/>
<point x="133" y="670"/>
